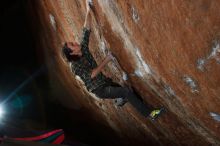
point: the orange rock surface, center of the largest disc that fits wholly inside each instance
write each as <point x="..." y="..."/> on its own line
<point x="168" y="50"/>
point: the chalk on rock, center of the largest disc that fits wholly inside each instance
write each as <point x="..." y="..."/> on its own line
<point x="138" y="73"/>
<point x="215" y="116"/>
<point x="52" y="21"/>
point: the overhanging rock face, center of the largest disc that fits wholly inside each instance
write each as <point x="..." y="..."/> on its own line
<point x="168" y="50"/>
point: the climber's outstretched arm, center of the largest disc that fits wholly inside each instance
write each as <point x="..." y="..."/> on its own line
<point x="86" y="29"/>
<point x="88" y="9"/>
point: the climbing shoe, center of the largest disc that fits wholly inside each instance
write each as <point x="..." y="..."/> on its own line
<point x="120" y="101"/>
<point x="155" y="113"/>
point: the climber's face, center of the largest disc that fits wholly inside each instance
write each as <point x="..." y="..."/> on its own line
<point x="75" y="47"/>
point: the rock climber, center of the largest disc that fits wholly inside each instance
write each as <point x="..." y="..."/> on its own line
<point x="83" y="64"/>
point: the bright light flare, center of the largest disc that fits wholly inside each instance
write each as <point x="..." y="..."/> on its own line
<point x="1" y="112"/>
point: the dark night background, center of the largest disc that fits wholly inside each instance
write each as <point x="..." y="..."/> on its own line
<point x="29" y="109"/>
<point x="19" y="62"/>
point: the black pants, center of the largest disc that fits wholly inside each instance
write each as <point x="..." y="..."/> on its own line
<point x="112" y="92"/>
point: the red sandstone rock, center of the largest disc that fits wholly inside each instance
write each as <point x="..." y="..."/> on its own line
<point x="168" y="49"/>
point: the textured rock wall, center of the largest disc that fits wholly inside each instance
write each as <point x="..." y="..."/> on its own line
<point x="168" y="50"/>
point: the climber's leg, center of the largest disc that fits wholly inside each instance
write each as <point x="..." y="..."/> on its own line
<point x="125" y="94"/>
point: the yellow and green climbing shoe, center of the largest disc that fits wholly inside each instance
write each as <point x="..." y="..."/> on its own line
<point x="155" y="113"/>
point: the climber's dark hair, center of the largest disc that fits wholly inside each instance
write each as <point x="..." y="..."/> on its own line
<point x="66" y="53"/>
